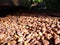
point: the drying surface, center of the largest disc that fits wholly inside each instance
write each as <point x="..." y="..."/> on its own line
<point x="29" y="30"/>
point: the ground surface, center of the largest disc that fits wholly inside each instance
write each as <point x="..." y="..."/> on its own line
<point x="34" y="29"/>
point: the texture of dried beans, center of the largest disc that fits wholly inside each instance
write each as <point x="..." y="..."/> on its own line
<point x="29" y="30"/>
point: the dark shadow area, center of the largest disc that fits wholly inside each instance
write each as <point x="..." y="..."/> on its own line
<point x="4" y="11"/>
<point x="53" y="12"/>
<point x="13" y="10"/>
